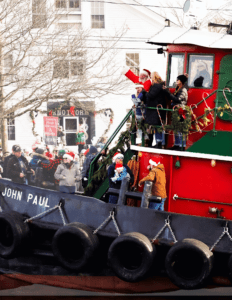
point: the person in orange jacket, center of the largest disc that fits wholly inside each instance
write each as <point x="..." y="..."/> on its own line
<point x="158" y="177"/>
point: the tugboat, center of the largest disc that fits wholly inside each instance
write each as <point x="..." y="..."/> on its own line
<point x="45" y="233"/>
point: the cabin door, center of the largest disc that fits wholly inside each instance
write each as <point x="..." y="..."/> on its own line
<point x="225" y="81"/>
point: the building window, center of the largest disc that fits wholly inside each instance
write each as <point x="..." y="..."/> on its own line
<point x="11" y="129"/>
<point x="67" y="68"/>
<point x="97" y="15"/>
<point x="39" y="14"/>
<point x="8" y="65"/>
<point x="132" y="61"/>
<point x="68" y="4"/>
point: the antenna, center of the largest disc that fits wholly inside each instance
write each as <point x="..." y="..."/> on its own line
<point x="194" y="11"/>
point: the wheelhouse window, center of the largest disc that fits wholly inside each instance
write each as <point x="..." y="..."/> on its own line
<point x="97" y="15"/>
<point x="132" y="61"/>
<point x="176" y="68"/>
<point x="200" y="71"/>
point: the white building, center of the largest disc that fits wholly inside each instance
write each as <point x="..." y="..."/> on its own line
<point x="104" y="20"/>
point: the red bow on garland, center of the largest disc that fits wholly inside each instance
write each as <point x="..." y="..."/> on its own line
<point x="50" y="113"/>
<point x="182" y="113"/>
<point x="72" y="112"/>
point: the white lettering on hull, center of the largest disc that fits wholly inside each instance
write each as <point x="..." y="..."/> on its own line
<point x="14" y="194"/>
<point x="17" y="195"/>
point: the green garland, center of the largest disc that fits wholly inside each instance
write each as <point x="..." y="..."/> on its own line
<point x="179" y="124"/>
<point x="101" y="174"/>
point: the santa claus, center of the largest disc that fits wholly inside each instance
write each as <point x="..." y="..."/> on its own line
<point x="143" y="78"/>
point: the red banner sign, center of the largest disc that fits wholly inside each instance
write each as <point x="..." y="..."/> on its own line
<point x="50" y="130"/>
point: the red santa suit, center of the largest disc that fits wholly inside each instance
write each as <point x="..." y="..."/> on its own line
<point x="134" y="78"/>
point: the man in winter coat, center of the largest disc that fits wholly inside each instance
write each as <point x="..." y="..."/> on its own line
<point x="158" y="177"/>
<point x="5" y="163"/>
<point x="85" y="171"/>
<point x="18" y="167"/>
<point x="68" y="174"/>
<point x="117" y="160"/>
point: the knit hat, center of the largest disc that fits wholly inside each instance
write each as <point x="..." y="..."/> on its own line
<point x="119" y="167"/>
<point x="16" y="148"/>
<point x="61" y="152"/>
<point x="146" y="72"/>
<point x="39" y="151"/>
<point x="116" y="156"/>
<point x="154" y="161"/>
<point x="182" y="78"/>
<point x="69" y="155"/>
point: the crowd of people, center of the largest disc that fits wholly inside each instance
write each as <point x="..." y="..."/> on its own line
<point x="60" y="170"/>
<point x="152" y="93"/>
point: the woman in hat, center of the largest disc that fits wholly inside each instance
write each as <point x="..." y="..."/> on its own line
<point x="180" y="97"/>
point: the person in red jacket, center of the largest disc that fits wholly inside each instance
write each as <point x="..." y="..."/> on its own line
<point x="143" y="78"/>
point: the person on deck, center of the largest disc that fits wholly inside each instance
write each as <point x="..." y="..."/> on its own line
<point x="155" y="96"/>
<point x="143" y="78"/>
<point x="158" y="177"/>
<point x="18" y="166"/>
<point x="68" y="174"/>
<point x="116" y="184"/>
<point x="179" y="97"/>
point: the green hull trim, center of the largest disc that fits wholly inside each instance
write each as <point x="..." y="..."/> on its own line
<point x="214" y="142"/>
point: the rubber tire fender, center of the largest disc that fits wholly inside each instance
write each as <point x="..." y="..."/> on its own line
<point x="74" y="245"/>
<point x="14" y="234"/>
<point x="189" y="263"/>
<point x="131" y="256"/>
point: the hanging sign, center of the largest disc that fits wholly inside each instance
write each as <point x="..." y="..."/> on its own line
<point x="50" y="130"/>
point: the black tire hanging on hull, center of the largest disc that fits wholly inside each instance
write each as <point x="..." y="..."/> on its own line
<point x="74" y="245"/>
<point x="14" y="234"/>
<point x="131" y="256"/>
<point x="189" y="263"/>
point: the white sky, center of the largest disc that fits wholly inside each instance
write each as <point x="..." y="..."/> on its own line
<point x="213" y="4"/>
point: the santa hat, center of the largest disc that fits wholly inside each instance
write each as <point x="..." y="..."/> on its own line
<point x="69" y="155"/>
<point x="146" y="72"/>
<point x="138" y="85"/>
<point x="154" y="161"/>
<point x="119" y="167"/>
<point x="116" y="156"/>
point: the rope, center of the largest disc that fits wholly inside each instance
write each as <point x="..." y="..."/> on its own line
<point x="111" y="216"/>
<point x="47" y="211"/>
<point x="225" y="231"/>
<point x="207" y="104"/>
<point x="226" y="97"/>
<point x="195" y="117"/>
<point x="167" y="224"/>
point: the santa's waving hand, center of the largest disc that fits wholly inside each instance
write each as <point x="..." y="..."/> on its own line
<point x="143" y="78"/>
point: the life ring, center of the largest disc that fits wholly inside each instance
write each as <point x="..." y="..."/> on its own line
<point x="189" y="263"/>
<point x="74" y="245"/>
<point x="131" y="256"/>
<point x="14" y="234"/>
